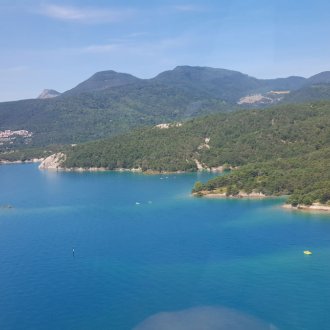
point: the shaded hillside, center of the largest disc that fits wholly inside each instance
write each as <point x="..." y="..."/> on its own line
<point x="309" y="93"/>
<point x="90" y="116"/>
<point x="70" y="120"/>
<point x="320" y="78"/>
<point x="225" y="84"/>
<point x="110" y="103"/>
<point x="103" y="80"/>
<point x="220" y="83"/>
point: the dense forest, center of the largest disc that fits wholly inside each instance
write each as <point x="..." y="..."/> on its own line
<point x="28" y="154"/>
<point x="235" y="139"/>
<point x="284" y="150"/>
<point x="306" y="179"/>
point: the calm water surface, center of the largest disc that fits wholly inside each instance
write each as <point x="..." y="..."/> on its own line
<point x="143" y="246"/>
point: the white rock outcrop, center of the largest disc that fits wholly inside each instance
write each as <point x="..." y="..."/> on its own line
<point x="53" y="162"/>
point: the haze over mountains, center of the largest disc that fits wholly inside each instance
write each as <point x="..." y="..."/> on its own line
<point x="48" y="94"/>
<point x="109" y="103"/>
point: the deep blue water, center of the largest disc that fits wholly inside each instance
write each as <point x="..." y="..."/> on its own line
<point x="170" y="252"/>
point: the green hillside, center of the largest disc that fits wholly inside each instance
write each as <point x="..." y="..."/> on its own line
<point x="306" y="178"/>
<point x="282" y="150"/>
<point x="110" y="103"/>
<point x="236" y="139"/>
<point x="309" y="93"/>
<point x="73" y="118"/>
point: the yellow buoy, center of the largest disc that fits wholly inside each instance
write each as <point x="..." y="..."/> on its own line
<point x="307" y="252"/>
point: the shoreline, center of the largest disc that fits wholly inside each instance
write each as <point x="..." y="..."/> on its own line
<point x="104" y="169"/>
<point x="240" y="195"/>
<point x="54" y="166"/>
<point x="56" y="161"/>
<point x="8" y="162"/>
<point x="133" y="170"/>
<point x="316" y="207"/>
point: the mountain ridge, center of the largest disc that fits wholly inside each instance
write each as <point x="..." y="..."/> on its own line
<point x="109" y="103"/>
<point x="102" y="80"/>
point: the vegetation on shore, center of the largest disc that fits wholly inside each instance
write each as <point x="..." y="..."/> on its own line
<point x="23" y="155"/>
<point x="306" y="179"/>
<point x="296" y="165"/>
<point x="280" y="151"/>
<point x="284" y="150"/>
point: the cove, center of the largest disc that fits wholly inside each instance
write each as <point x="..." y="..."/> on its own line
<point x="144" y="247"/>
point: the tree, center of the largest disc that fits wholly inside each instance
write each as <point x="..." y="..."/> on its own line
<point x="198" y="186"/>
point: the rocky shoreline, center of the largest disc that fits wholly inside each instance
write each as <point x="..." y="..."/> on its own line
<point x="314" y="207"/>
<point x="241" y="194"/>
<point x="55" y="161"/>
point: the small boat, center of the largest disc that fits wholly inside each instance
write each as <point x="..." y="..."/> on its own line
<point x="308" y="252"/>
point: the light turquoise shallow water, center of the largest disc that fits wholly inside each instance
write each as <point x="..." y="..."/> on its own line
<point x="170" y="252"/>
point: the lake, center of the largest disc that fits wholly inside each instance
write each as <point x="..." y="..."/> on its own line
<point x="143" y="247"/>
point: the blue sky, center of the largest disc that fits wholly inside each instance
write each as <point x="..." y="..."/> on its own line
<point x="57" y="44"/>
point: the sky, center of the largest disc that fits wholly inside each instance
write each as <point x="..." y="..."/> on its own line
<point x="57" y="44"/>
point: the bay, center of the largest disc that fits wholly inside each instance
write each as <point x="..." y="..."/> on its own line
<point x="143" y="246"/>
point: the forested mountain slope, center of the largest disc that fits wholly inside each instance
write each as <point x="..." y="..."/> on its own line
<point x="110" y="103"/>
<point x="282" y="150"/>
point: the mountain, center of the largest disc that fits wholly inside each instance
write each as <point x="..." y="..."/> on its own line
<point x="110" y="103"/>
<point x="48" y="93"/>
<point x="320" y="78"/>
<point x="218" y="83"/>
<point x="224" y="84"/>
<point x="103" y="80"/>
<point x="289" y="83"/>
<point x="308" y="93"/>
<point x="315" y="88"/>
<point x="290" y="90"/>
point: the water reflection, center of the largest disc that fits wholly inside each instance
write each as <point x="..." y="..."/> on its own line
<point x="204" y="318"/>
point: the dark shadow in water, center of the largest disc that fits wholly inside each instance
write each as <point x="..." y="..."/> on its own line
<point x="204" y="318"/>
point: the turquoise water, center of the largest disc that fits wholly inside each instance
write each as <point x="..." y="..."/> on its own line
<point x="144" y="246"/>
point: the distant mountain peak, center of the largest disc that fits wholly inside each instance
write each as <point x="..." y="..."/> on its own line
<point x="103" y="80"/>
<point x="320" y="78"/>
<point x="207" y="69"/>
<point x="48" y="94"/>
<point x="109" y="102"/>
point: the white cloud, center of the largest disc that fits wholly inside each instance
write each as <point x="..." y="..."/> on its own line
<point x="188" y="8"/>
<point x="127" y="46"/>
<point x="85" y="15"/>
<point x="124" y="47"/>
